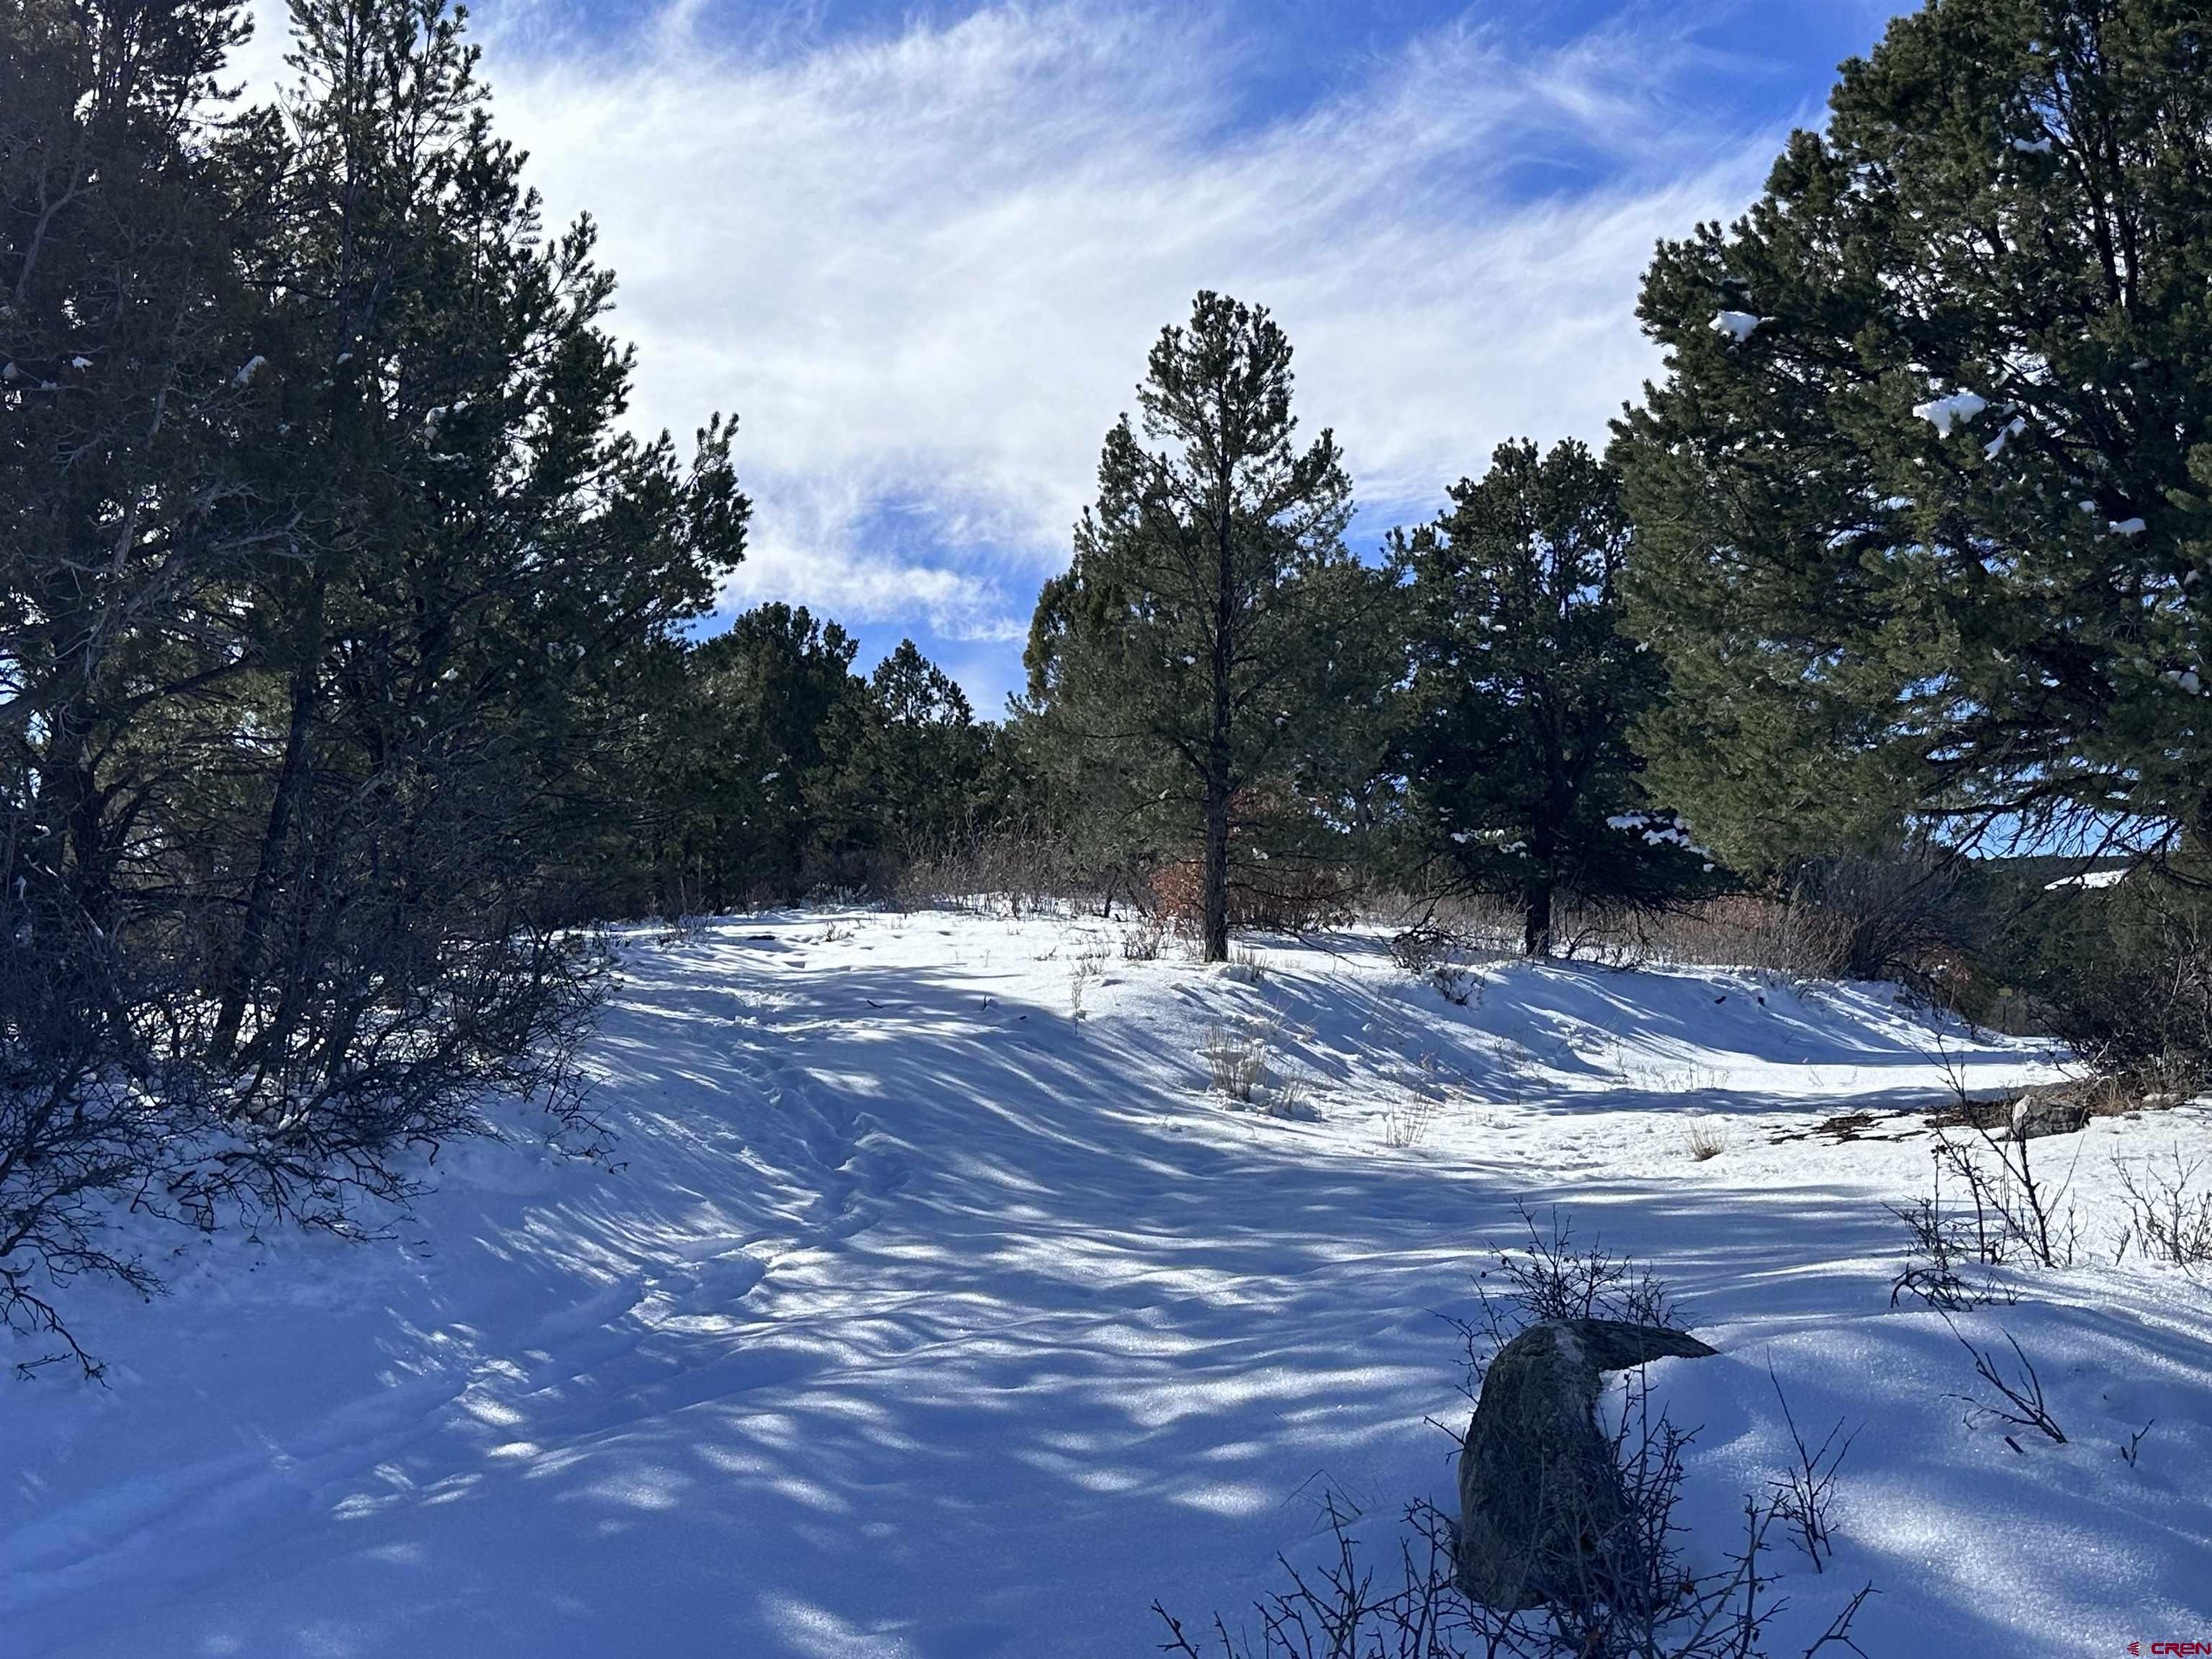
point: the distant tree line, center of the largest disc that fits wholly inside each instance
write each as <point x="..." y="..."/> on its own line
<point x="355" y="657"/>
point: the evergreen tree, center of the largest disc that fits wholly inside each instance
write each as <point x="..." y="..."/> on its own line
<point x="1186" y="665"/>
<point x="769" y="767"/>
<point x="331" y="589"/>
<point x="922" y="759"/>
<point x="1522" y="781"/>
<point x="788" y="711"/>
<point x="1924" y="502"/>
<point x="125" y="521"/>
<point x="758" y="751"/>
<point x="474" y="548"/>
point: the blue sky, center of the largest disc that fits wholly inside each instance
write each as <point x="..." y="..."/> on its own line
<point x="919" y="250"/>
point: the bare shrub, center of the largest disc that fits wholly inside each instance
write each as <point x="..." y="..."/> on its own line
<point x="1280" y="895"/>
<point x="1795" y="942"/>
<point x="1411" y="1607"/>
<point x="2169" y="1216"/>
<point x="390" y="1047"/>
<point x="679" y="933"/>
<point x="1549" y="1276"/>
<point x="1707" y="1140"/>
<point x="1914" y="915"/>
<point x="325" y="1102"/>
<point x="1802" y="1496"/>
<point x="2003" y="1208"/>
<point x="1637" y="1597"/>
<point x="1144" y="941"/>
<point x="1085" y="968"/>
<point x="1348" y="1608"/>
<point x="1451" y="961"/>
<point x="1013" y="873"/>
<point x="2033" y="1211"/>
<point x="1292" y="1099"/>
<point x="1407" y="1124"/>
<point x="2017" y="1206"/>
<point x="2131" y="1452"/>
<point x="1340" y="1610"/>
<point x="1943" y="1242"/>
<point x="1905" y="914"/>
<point x="78" y="1130"/>
<point x="2018" y="1400"/>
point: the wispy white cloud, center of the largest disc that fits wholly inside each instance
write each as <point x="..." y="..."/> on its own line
<point x="924" y="267"/>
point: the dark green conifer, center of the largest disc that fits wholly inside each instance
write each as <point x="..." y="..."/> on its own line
<point x="1925" y="500"/>
<point x="1522" y="781"/>
<point x="1194" y="667"/>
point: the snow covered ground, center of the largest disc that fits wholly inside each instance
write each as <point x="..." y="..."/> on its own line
<point x="915" y="1316"/>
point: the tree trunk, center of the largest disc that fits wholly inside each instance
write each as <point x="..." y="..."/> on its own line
<point x="261" y="897"/>
<point x="1214" y="896"/>
<point x="1536" y="922"/>
<point x="1216" y="891"/>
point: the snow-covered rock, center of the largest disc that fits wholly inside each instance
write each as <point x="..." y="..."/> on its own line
<point x="1539" y="1484"/>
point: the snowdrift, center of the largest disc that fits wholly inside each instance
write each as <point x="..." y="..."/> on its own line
<point x="915" y="1315"/>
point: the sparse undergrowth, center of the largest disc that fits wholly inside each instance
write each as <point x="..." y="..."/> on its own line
<point x="1547" y="1275"/>
<point x="2169" y="1212"/>
<point x="1236" y="1059"/>
<point x="1238" y="1056"/>
<point x="2019" y="1401"/>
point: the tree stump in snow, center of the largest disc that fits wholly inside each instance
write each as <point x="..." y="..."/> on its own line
<point x="1544" y="1517"/>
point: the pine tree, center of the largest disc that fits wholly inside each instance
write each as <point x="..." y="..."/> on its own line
<point x="331" y="596"/>
<point x="475" y="558"/>
<point x="771" y="768"/>
<point x="123" y="407"/>
<point x="1185" y="664"/>
<point x="127" y="521"/>
<point x="772" y="717"/>
<point x="1925" y="501"/>
<point x="1522" y="781"/>
<point x="922" y="761"/>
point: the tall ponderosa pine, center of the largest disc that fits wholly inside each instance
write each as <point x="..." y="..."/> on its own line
<point x="1522" y="779"/>
<point x="1925" y="501"/>
<point x="1194" y="659"/>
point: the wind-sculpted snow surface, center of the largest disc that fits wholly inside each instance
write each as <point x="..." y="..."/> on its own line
<point x="913" y="1317"/>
